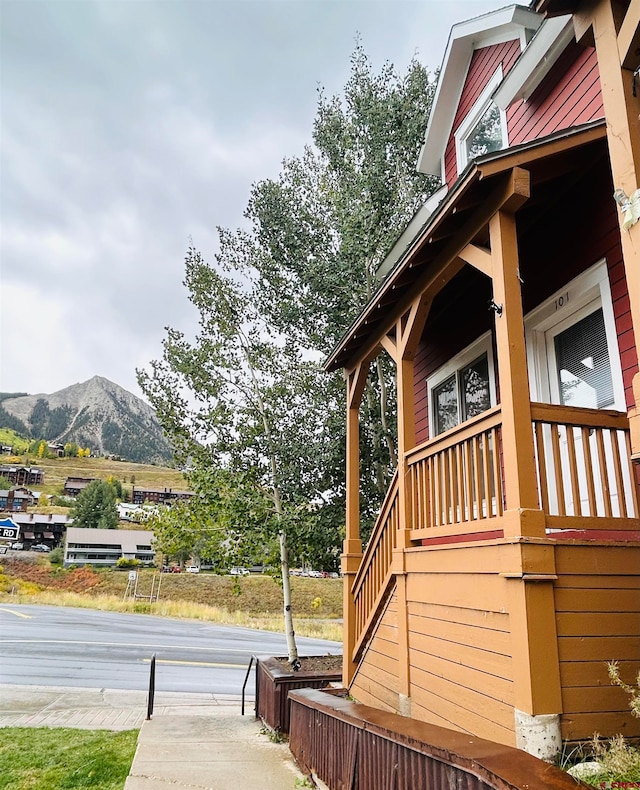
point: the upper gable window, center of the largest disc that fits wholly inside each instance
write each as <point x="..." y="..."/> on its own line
<point x="484" y="129"/>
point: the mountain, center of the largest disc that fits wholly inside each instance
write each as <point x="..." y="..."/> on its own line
<point x="97" y="414"/>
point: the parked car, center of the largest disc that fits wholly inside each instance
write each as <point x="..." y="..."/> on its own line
<point x="176" y="569"/>
<point x="17" y="546"/>
<point x="192" y="569"/>
<point x="239" y="572"/>
<point x="41" y="547"/>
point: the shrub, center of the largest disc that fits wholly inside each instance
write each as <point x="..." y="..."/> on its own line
<point x="56" y="557"/>
<point x="127" y="562"/>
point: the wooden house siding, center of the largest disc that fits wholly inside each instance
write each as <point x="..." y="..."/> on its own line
<point x="459" y="641"/>
<point x="597" y="599"/>
<point x="376" y="681"/>
<point x="484" y="63"/>
<point x="569" y="95"/>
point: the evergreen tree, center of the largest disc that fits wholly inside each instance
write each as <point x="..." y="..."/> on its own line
<point x="95" y="507"/>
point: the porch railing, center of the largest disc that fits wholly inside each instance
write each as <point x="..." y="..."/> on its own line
<point x="372" y="580"/>
<point x="455" y="487"/>
<point x="456" y="478"/>
<point x="583" y="459"/>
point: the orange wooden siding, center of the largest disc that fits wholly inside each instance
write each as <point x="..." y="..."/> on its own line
<point x="598" y="611"/>
<point x="376" y="681"/>
<point x="461" y="649"/>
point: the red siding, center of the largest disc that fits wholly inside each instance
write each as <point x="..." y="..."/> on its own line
<point x="569" y="95"/>
<point x="484" y="63"/>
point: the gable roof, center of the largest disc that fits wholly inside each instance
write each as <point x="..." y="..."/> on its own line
<point x="462" y="217"/>
<point x="505" y="24"/>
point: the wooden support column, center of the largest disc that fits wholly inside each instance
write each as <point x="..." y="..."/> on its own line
<point x="352" y="547"/>
<point x="401" y="343"/>
<point x="522" y="513"/>
<point x="617" y="58"/>
<point x="530" y="598"/>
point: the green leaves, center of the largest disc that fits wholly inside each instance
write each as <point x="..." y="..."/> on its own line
<point x="95" y="506"/>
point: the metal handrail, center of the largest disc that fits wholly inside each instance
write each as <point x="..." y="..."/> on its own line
<point x="246" y="677"/>
<point x="152" y="687"/>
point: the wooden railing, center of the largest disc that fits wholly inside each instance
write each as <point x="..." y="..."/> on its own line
<point x="456" y="478"/>
<point x="455" y="487"/>
<point x="584" y="468"/>
<point x="373" y="578"/>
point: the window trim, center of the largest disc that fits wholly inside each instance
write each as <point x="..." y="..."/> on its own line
<point x="471" y="119"/>
<point x="590" y="288"/>
<point x="454" y="365"/>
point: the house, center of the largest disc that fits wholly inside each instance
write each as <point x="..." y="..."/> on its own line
<point x="22" y="475"/>
<point x="15" y="499"/>
<point x="502" y="573"/>
<point x="104" y="547"/>
<point x="48" y="528"/>
<point x="74" y="485"/>
<point x="158" y="495"/>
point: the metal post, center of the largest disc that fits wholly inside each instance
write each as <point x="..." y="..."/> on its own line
<point x="246" y="677"/>
<point x="152" y="687"/>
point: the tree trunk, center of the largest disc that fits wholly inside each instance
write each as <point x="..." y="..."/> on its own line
<point x="292" y="649"/>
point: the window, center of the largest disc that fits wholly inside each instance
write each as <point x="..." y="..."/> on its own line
<point x="572" y="346"/>
<point x="463" y="388"/>
<point x="484" y="129"/>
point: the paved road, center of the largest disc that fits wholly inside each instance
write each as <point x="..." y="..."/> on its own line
<point x="55" y="646"/>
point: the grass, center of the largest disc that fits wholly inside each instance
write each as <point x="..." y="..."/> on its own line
<point x="65" y="759"/>
<point x="56" y="471"/>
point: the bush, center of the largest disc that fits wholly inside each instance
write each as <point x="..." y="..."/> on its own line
<point x="126" y="563"/>
<point x="56" y="556"/>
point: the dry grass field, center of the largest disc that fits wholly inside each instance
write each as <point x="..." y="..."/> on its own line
<point x="252" y="601"/>
<point x="56" y="471"/>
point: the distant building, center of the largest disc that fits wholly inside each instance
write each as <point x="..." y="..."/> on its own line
<point x="104" y="547"/>
<point x="74" y="485"/>
<point x="22" y="475"/>
<point x="162" y="496"/>
<point x="46" y="528"/>
<point x="15" y="499"/>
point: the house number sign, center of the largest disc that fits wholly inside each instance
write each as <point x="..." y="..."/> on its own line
<point x="562" y="301"/>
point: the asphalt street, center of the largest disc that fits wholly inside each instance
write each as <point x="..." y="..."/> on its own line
<point x="86" y="648"/>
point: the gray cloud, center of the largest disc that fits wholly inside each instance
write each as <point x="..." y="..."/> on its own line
<point x="128" y="127"/>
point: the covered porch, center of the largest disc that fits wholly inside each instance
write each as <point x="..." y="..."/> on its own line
<point x="501" y="574"/>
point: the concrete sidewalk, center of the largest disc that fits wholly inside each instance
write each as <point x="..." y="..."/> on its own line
<point x="193" y="741"/>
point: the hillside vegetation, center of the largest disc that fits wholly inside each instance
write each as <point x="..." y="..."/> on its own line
<point x="252" y="601"/>
<point x="56" y="471"/>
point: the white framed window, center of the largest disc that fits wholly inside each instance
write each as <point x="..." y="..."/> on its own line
<point x="573" y="360"/>
<point x="463" y="388"/>
<point x="572" y="346"/>
<point x="484" y="128"/>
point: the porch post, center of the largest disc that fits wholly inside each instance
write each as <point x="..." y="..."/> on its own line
<point x="352" y="547"/>
<point x="402" y="345"/>
<point x="616" y="61"/>
<point x="528" y="567"/>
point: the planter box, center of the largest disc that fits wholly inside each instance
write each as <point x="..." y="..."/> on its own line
<point x="274" y="681"/>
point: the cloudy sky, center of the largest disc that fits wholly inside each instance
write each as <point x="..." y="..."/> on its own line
<point x="131" y="126"/>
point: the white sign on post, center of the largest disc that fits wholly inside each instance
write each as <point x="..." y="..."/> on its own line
<point x="133" y="575"/>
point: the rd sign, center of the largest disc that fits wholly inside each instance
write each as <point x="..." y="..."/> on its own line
<point x="8" y="530"/>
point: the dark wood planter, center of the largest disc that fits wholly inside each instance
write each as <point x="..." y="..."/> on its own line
<point x="274" y="681"/>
